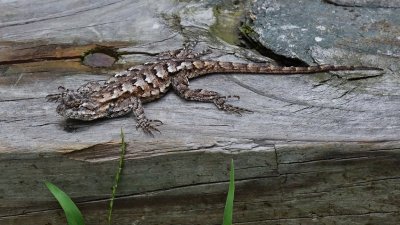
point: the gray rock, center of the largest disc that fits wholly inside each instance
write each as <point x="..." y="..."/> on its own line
<point x="367" y="3"/>
<point x="294" y="28"/>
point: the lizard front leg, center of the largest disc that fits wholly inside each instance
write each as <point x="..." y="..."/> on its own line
<point x="180" y="84"/>
<point x="145" y="124"/>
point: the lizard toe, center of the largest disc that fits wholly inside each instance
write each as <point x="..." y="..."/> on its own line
<point x="221" y="104"/>
<point x="148" y="126"/>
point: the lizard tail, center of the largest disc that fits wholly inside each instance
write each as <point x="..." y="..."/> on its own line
<point x="258" y="68"/>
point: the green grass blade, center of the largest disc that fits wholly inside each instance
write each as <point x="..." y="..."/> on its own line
<point x="228" y="211"/>
<point x="74" y="216"/>
<point x="117" y="176"/>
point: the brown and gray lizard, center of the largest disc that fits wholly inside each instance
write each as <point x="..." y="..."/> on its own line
<point x="126" y="91"/>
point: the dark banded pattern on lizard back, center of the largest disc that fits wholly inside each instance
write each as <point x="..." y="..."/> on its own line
<point x="148" y="82"/>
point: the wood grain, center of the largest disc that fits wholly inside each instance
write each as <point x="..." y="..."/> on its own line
<point x="317" y="150"/>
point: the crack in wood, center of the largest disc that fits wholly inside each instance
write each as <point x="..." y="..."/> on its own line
<point x="282" y="219"/>
<point x="20" y="99"/>
<point x="50" y="58"/>
<point x="332" y="159"/>
<point x="285" y="100"/>
<point x="57" y="16"/>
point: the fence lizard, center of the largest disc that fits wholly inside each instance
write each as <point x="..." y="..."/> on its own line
<point x="126" y="91"/>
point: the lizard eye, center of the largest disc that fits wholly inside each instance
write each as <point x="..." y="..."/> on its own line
<point x="89" y="106"/>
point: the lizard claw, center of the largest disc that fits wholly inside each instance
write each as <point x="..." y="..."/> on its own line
<point x="232" y="96"/>
<point x="235" y="109"/>
<point x="148" y="126"/>
<point x="53" y="97"/>
<point x="56" y="97"/>
<point x="157" y="122"/>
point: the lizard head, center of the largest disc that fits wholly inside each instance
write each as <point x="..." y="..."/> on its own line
<point x="74" y="104"/>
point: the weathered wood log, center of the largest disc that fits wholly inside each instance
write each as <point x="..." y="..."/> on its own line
<point x="318" y="149"/>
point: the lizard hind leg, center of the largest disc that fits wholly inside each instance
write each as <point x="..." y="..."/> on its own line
<point x="187" y="52"/>
<point x="180" y="85"/>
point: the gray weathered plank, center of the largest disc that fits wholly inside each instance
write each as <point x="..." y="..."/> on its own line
<point x="317" y="150"/>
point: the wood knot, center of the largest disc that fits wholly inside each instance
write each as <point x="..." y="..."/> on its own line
<point x="100" y="57"/>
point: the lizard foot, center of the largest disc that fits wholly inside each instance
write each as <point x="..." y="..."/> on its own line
<point x="221" y="104"/>
<point x="53" y="97"/>
<point x="56" y="97"/>
<point x="148" y="126"/>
